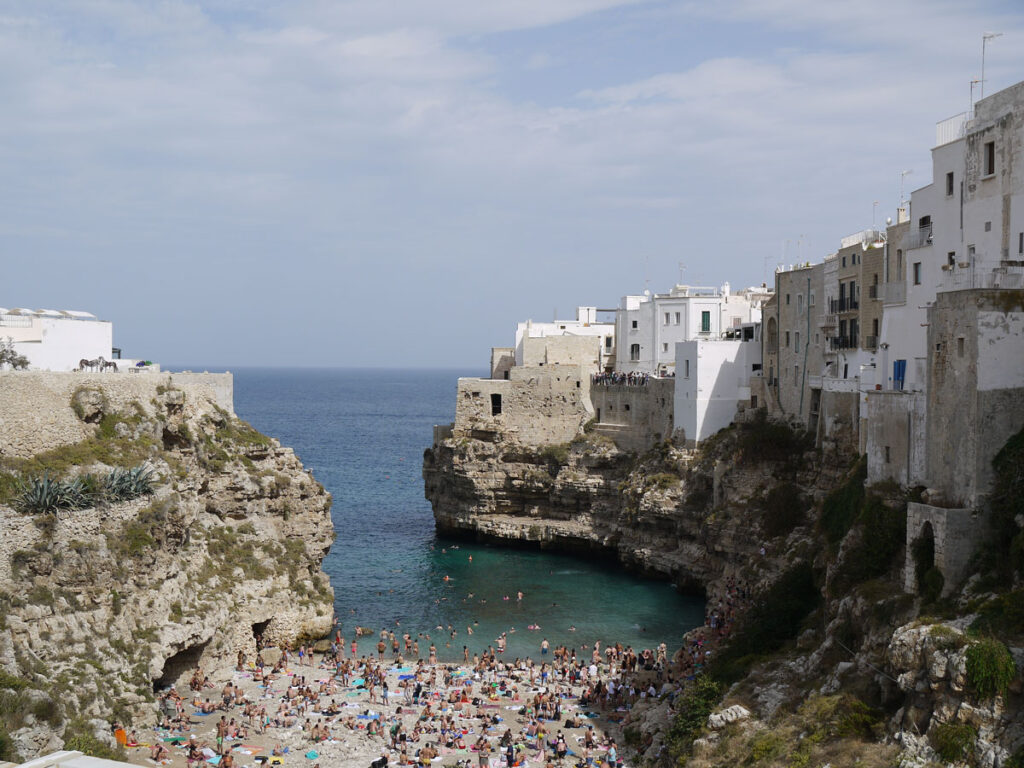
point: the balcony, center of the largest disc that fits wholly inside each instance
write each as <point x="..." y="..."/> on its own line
<point x="871" y="343"/>
<point x="919" y="238"/>
<point x="843" y="342"/>
<point x="873" y="291"/>
<point x="894" y="293"/>
<point x="951" y="129"/>
<point x="843" y="304"/>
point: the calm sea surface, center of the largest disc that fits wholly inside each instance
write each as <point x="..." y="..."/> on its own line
<point x="362" y="433"/>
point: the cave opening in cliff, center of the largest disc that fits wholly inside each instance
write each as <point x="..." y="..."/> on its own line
<point x="181" y="663"/>
<point x="258" y="629"/>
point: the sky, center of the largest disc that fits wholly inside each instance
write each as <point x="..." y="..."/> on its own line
<point x="398" y="182"/>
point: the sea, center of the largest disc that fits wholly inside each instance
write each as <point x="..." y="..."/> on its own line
<point x="363" y="432"/>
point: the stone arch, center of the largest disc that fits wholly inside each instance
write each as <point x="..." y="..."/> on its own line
<point x="955" y="535"/>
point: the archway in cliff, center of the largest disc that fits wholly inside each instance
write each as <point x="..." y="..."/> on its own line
<point x="257" y="632"/>
<point x="181" y="663"/>
<point x="928" y="577"/>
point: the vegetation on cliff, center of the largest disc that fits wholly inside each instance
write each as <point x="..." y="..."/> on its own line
<point x="125" y="552"/>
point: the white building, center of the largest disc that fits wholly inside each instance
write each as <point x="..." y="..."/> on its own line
<point x="648" y="327"/>
<point x="55" y="340"/>
<point x="585" y="324"/>
<point x="712" y="380"/>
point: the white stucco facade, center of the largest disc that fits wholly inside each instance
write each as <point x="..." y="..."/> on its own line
<point x="648" y="326"/>
<point x="712" y="379"/>
<point x="55" y="340"/>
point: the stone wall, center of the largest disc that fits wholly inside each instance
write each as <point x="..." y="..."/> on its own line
<point x="895" y="434"/>
<point x="975" y="388"/>
<point x="502" y="360"/>
<point x="536" y="405"/>
<point x="958" y="533"/>
<point x="35" y="406"/>
<point x="562" y="350"/>
<point x="634" y="416"/>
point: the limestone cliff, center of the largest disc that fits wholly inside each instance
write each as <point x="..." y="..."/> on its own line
<point x="830" y="661"/>
<point x="101" y="606"/>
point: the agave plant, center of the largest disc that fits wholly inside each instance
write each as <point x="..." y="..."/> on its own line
<point x="47" y="494"/>
<point x="126" y="484"/>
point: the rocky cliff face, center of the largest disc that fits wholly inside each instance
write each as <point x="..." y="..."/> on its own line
<point x="103" y="605"/>
<point x="845" y="673"/>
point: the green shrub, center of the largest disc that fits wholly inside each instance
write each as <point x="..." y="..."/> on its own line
<point x="772" y="620"/>
<point x="953" y="741"/>
<point x="783" y="510"/>
<point x="990" y="667"/>
<point x="7" y="753"/>
<point x="842" y="506"/>
<point x="766" y="745"/>
<point x="930" y="585"/>
<point x="663" y="481"/>
<point x="693" y="706"/>
<point x="1007" y="504"/>
<point x="1002" y="615"/>
<point x="882" y="534"/>
<point x="762" y="439"/>
<point x="88" y="744"/>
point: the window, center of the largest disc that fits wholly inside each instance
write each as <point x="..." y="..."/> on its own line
<point x="844" y="261"/>
<point x="664" y="346"/>
<point x="988" y="226"/>
<point x="799" y="303"/>
<point x="634" y="352"/>
<point x="960" y="346"/>
<point x="495" y="404"/>
<point x="625" y="407"/>
<point x="607" y="342"/>
<point x="951" y="258"/>
<point x="787" y="299"/>
<point x="990" y="158"/>
<point x="917" y="273"/>
<point x="705" y="321"/>
<point x="810" y="299"/>
<point x="634" y="324"/>
<point x="796" y="373"/>
<point x="787" y="339"/>
<point x="796" y="337"/>
<point x="899" y="262"/>
<point x="874" y="327"/>
<point x="949" y="184"/>
<point x="1020" y="243"/>
<point x="887" y="447"/>
<point x="686" y="369"/>
<point x="677" y="318"/>
<point x="667" y="316"/>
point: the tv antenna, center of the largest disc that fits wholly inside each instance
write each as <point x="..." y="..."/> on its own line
<point x="985" y="37"/>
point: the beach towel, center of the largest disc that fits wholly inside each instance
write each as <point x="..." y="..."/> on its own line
<point x="312" y="754"/>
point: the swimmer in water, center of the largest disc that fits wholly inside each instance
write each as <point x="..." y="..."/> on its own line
<point x="572" y="628"/>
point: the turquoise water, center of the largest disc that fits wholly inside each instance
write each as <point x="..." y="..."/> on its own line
<point x="362" y="433"/>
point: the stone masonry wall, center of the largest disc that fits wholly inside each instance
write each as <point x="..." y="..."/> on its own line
<point x="34" y="412"/>
<point x="958" y="532"/>
<point x="539" y="405"/>
<point x="635" y="417"/>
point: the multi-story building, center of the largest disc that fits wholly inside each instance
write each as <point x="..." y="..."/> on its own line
<point x="793" y="344"/>
<point x="648" y="326"/>
<point x="586" y="324"/>
<point x="57" y="340"/>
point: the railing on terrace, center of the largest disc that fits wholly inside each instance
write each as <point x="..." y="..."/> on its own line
<point x="894" y="293"/>
<point x="843" y="342"/>
<point x="951" y="129"/>
<point x="15" y="321"/>
<point x="621" y="379"/>
<point x="844" y="304"/>
<point x="919" y="238"/>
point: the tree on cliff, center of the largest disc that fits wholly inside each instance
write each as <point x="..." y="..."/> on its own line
<point x="9" y="357"/>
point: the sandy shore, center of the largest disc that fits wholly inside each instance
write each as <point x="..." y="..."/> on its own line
<point x="356" y="747"/>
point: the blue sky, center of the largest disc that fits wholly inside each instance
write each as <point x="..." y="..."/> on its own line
<point x="388" y="182"/>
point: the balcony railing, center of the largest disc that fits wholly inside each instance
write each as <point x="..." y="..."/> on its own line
<point x="919" y="238"/>
<point x="871" y="342"/>
<point x="872" y="291"/>
<point x="843" y="342"/>
<point x="843" y="304"/>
